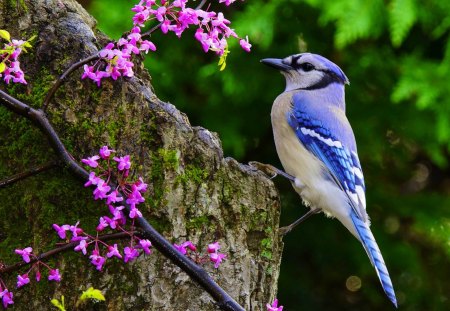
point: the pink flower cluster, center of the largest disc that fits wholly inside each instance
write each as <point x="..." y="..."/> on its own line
<point x="27" y="254"/>
<point x="212" y="31"/>
<point x="24" y="279"/>
<point x="115" y="58"/>
<point x="212" y="253"/>
<point x="116" y="219"/>
<point x="9" y="58"/>
<point x="132" y="190"/>
<point x="97" y="257"/>
<point x="212" y="28"/>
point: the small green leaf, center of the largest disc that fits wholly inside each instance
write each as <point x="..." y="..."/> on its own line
<point x="32" y="38"/>
<point x="5" y="35"/>
<point x="223" y="59"/>
<point x="59" y="305"/>
<point x="2" y="67"/>
<point x="92" y="293"/>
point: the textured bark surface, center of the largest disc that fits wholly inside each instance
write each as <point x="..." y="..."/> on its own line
<point x="196" y="193"/>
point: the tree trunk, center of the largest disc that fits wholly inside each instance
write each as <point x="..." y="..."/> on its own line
<point x="196" y="193"/>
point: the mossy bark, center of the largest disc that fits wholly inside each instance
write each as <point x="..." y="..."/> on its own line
<point x="196" y="193"/>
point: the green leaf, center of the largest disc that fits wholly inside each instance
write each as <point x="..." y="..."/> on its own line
<point x="2" y="67"/>
<point x="5" y="35"/>
<point x="92" y="293"/>
<point x="402" y="16"/>
<point x="59" y="305"/>
<point x="223" y="59"/>
<point x="32" y="38"/>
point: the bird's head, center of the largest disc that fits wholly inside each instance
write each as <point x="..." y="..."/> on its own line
<point x="307" y="71"/>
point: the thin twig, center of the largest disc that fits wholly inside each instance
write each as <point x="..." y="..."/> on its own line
<point x="60" y="249"/>
<point x="31" y="172"/>
<point x="197" y="273"/>
<point x="61" y="79"/>
<point x="201" y="4"/>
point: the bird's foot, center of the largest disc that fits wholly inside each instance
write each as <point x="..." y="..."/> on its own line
<point x="285" y="230"/>
<point x="271" y="171"/>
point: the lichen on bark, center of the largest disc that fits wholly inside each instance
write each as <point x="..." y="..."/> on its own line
<point x="196" y="194"/>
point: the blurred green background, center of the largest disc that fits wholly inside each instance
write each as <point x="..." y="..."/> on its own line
<point x="397" y="57"/>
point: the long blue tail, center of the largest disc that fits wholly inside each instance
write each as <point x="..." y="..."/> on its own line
<point x="371" y="247"/>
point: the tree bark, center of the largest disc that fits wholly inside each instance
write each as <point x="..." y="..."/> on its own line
<point x="196" y="193"/>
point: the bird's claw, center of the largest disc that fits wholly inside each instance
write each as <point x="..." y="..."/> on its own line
<point x="267" y="169"/>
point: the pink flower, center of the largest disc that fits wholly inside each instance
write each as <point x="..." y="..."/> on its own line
<point x="147" y="45"/>
<point x="75" y="230"/>
<point x="102" y="189"/>
<point x="93" y="180"/>
<point x="135" y="213"/>
<point x="130" y="254"/>
<point x="141" y="17"/>
<point x="138" y="8"/>
<point x="145" y="245"/>
<point x="179" y="3"/>
<point x="7" y="298"/>
<point x="38" y="276"/>
<point x="61" y="230"/>
<point x="165" y="26"/>
<point x="103" y="223"/>
<point x="97" y="260"/>
<point x="189" y="245"/>
<point x="134" y="198"/>
<point x="105" y="152"/>
<point x="160" y="13"/>
<point x="140" y="185"/>
<point x="214" y="247"/>
<point x="81" y="247"/>
<point x="91" y="161"/>
<point x="182" y="248"/>
<point x="124" y="162"/>
<point x="118" y="216"/>
<point x="22" y="280"/>
<point x="217" y="258"/>
<point x="245" y="44"/>
<point x="113" y="251"/>
<point x="274" y="306"/>
<point x="220" y="21"/>
<point x="227" y="2"/>
<point x="89" y="72"/>
<point x="113" y="198"/>
<point x="25" y="253"/>
<point x="54" y="275"/>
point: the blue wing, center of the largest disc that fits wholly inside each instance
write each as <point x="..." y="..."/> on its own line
<point x="339" y="156"/>
<point x="342" y="163"/>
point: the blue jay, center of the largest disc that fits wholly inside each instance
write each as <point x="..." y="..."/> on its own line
<point x="316" y="146"/>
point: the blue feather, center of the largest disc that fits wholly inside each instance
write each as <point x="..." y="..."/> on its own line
<point x="374" y="253"/>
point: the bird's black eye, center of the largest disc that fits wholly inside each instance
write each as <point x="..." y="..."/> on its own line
<point x="307" y="66"/>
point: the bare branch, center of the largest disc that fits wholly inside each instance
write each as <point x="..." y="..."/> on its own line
<point x="61" y="79"/>
<point x="31" y="172"/>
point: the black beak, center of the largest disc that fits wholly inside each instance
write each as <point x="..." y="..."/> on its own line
<point x="276" y="63"/>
